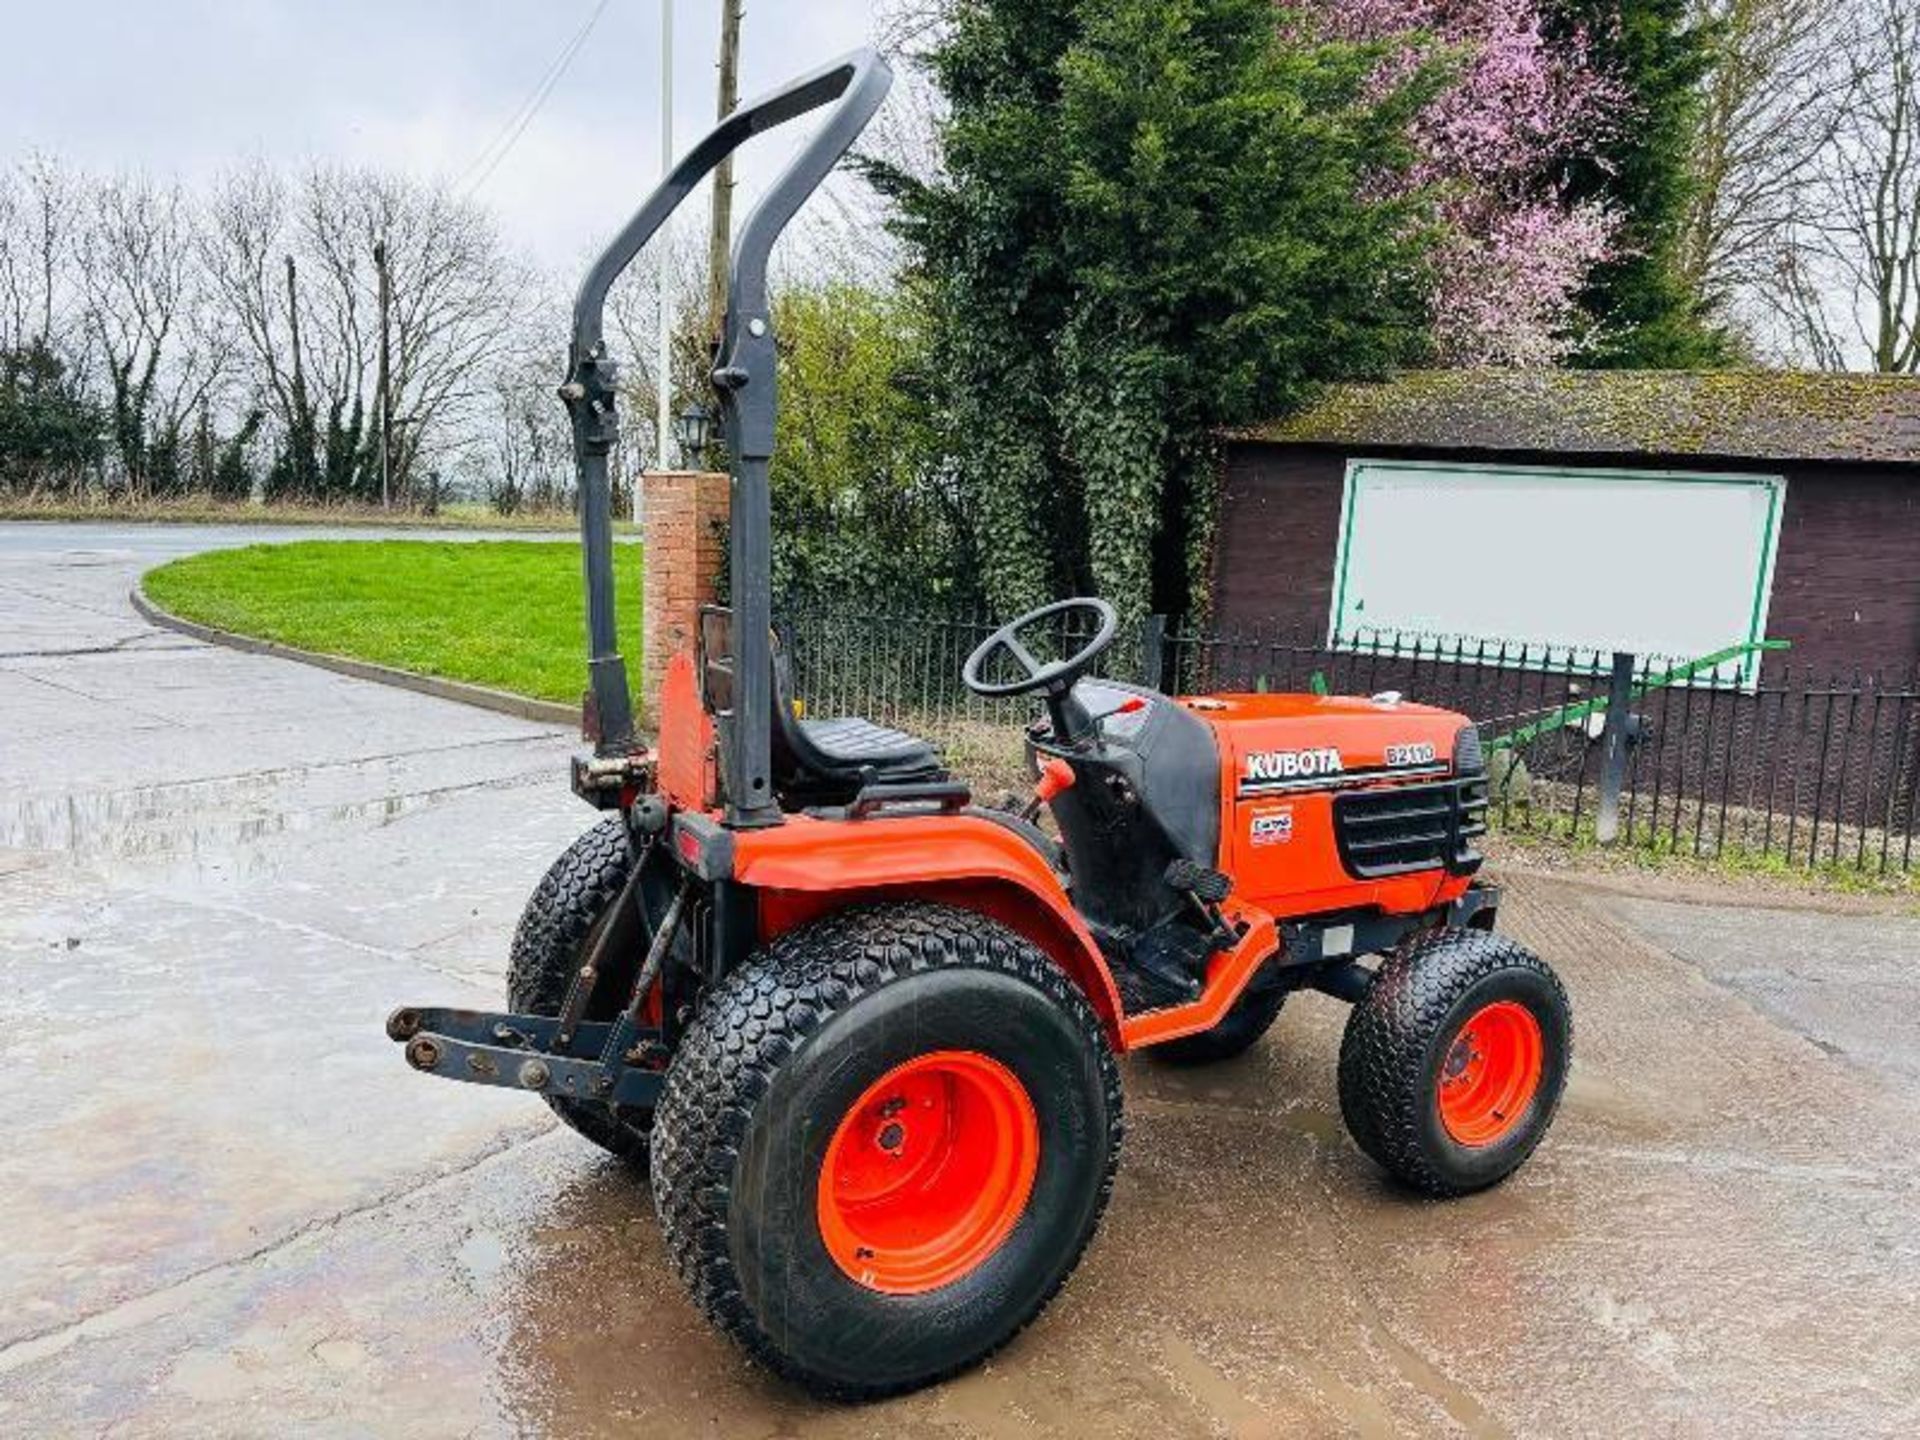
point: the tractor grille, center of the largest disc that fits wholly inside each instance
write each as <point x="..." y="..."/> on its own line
<point x="1394" y="830"/>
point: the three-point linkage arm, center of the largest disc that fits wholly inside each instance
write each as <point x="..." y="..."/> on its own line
<point x="744" y="379"/>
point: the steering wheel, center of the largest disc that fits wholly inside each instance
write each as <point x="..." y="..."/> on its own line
<point x="1051" y="679"/>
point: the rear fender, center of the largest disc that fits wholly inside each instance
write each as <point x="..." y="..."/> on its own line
<point x="808" y="868"/>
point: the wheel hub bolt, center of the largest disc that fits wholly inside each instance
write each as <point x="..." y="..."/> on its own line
<point x="1459" y="1057"/>
<point x="892" y="1136"/>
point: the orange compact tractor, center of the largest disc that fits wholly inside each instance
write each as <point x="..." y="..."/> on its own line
<point x="863" y="1030"/>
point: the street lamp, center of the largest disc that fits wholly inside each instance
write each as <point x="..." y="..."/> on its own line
<point x="691" y="430"/>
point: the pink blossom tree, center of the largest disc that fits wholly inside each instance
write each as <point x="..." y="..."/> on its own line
<point x="1518" y="251"/>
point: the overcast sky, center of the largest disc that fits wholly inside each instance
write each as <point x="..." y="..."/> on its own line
<point x="187" y="87"/>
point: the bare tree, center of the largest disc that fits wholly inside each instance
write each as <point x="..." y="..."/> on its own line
<point x="151" y="323"/>
<point x="528" y="461"/>
<point x="296" y="266"/>
<point x="908" y="29"/>
<point x="456" y="295"/>
<point x="1878" y="183"/>
<point x="247" y="256"/>
<point x="633" y="319"/>
<point x="844" y="236"/>
<point x="1845" y="281"/>
<point x="1768" y="114"/>
<point x="38" y="209"/>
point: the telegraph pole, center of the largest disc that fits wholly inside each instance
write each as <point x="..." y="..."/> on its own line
<point x="293" y="329"/>
<point x="386" y="373"/>
<point x="663" y="420"/>
<point x="721" y="238"/>
<point x="301" y="443"/>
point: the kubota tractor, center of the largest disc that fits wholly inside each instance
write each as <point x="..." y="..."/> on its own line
<point x="864" y="1030"/>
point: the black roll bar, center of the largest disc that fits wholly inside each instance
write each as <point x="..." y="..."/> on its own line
<point x="744" y="379"/>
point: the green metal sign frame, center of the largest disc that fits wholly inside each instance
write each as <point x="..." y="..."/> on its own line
<point x="1582" y="710"/>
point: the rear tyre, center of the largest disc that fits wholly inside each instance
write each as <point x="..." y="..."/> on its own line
<point x="1452" y="1065"/>
<point x="883" y="1145"/>
<point x="1239" y="1029"/>
<point x="572" y="899"/>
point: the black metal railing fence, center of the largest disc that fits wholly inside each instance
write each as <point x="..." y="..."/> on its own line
<point x="1792" y="767"/>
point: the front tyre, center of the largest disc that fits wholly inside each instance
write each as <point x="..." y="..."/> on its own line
<point x="883" y="1146"/>
<point x="1452" y="1065"/>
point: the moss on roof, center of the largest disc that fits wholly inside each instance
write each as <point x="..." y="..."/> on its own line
<point x="1733" y="414"/>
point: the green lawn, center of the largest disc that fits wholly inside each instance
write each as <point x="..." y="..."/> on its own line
<point x="504" y="613"/>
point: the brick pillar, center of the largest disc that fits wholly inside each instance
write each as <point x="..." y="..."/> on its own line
<point x="685" y="542"/>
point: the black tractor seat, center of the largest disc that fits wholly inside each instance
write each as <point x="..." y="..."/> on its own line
<point x="849" y="740"/>
<point x="829" y="761"/>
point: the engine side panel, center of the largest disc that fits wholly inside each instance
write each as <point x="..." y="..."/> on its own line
<point x="1284" y="758"/>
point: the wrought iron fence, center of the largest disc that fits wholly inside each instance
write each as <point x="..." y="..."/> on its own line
<point x="1792" y="766"/>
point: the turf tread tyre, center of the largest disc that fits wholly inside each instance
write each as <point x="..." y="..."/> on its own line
<point x="548" y="946"/>
<point x="765" y="1013"/>
<point x="1397" y="1034"/>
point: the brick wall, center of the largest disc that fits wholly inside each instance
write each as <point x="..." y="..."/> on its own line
<point x="1846" y="584"/>
<point x="1273" y="558"/>
<point x="686" y="517"/>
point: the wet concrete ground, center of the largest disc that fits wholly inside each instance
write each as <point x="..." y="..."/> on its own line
<point x="227" y="1208"/>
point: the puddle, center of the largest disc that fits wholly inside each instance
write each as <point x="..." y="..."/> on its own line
<point x="222" y="824"/>
<point x="92" y="559"/>
<point x="349" y="1356"/>
<point x="591" y="1328"/>
<point x="483" y="1255"/>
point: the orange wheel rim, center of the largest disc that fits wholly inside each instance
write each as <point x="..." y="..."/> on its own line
<point x="1491" y="1073"/>
<point x="928" y="1172"/>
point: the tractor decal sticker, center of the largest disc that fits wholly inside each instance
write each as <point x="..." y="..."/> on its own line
<point x="1270" y="766"/>
<point x="1284" y="771"/>
<point x="1272" y="827"/>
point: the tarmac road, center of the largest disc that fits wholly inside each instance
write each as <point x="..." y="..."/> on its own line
<point x="227" y="1208"/>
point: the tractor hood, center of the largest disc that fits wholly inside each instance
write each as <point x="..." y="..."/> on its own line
<point x="1274" y="744"/>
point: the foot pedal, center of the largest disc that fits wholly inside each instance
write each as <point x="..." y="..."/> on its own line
<point x="1204" y="889"/>
<point x="1209" y="887"/>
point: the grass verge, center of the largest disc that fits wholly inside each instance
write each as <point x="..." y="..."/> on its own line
<point x="1552" y="844"/>
<point x="508" y="614"/>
